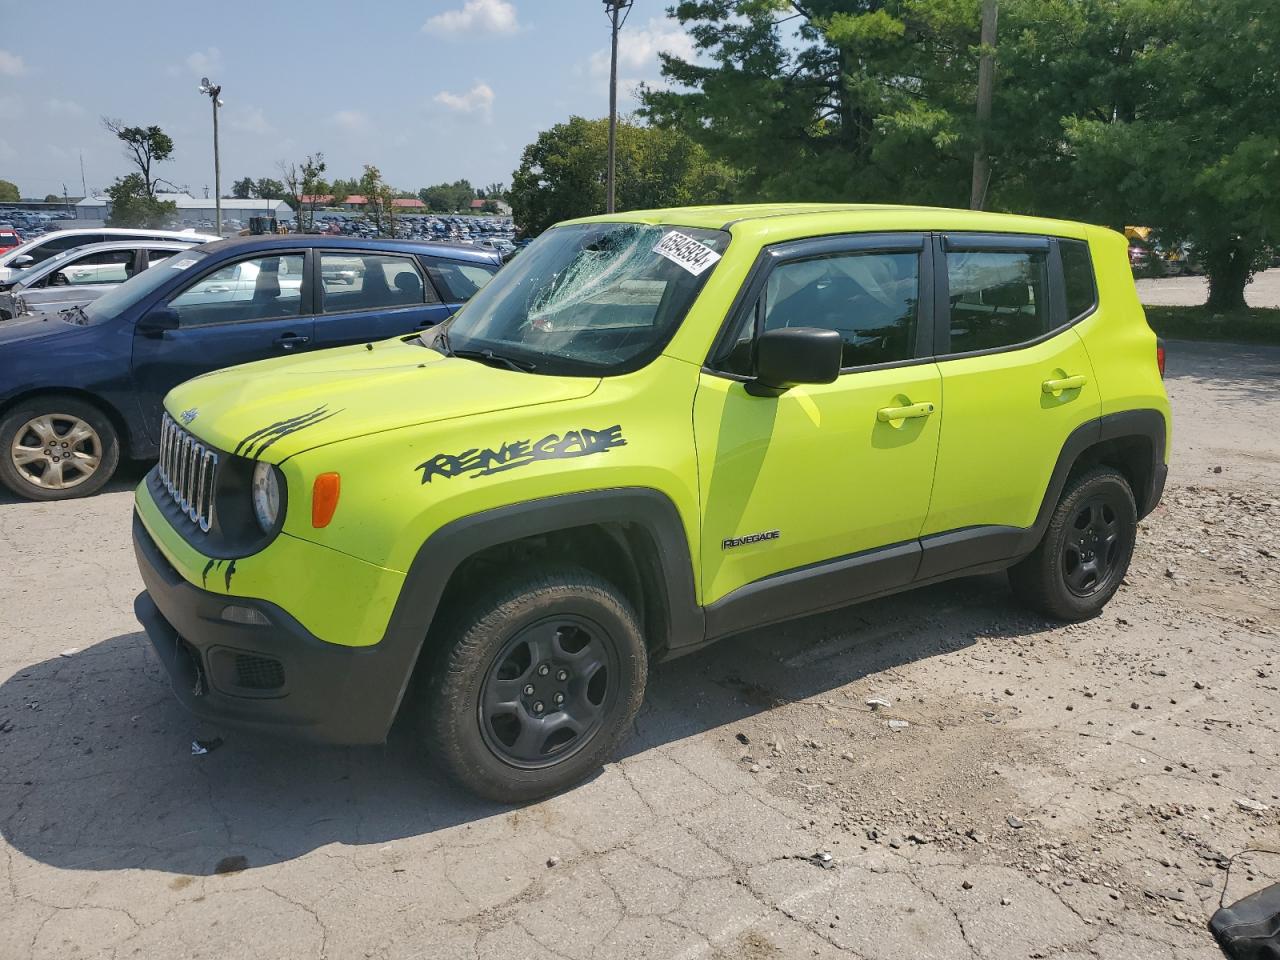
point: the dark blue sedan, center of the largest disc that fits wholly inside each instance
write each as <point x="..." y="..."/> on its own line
<point x="80" y="390"/>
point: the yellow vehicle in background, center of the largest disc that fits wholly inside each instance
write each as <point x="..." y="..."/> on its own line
<point x="650" y="431"/>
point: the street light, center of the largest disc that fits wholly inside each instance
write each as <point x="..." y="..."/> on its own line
<point x="214" y="92"/>
<point x="617" y="11"/>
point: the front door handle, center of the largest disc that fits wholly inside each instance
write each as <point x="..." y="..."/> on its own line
<point x="911" y="412"/>
<point x="289" y="340"/>
<point x="1065" y="383"/>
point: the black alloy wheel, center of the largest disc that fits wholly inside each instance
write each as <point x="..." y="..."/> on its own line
<point x="1084" y="553"/>
<point x="547" y="691"/>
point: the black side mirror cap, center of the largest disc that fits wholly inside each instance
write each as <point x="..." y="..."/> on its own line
<point x="795" y="355"/>
<point x="155" y="322"/>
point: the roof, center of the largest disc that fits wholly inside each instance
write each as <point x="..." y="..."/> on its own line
<point x="317" y="198"/>
<point x="357" y="198"/>
<point x="185" y="202"/>
<point x="145" y="232"/>
<point x="53" y="263"/>
<point x="407" y="202"/>
<point x="272" y="241"/>
<point x="477" y="203"/>
<point x="781" y="221"/>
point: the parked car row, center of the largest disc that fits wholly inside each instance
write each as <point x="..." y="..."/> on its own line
<point x="81" y="387"/>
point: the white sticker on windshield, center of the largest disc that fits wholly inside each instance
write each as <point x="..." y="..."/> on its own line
<point x="183" y="264"/>
<point x="689" y="253"/>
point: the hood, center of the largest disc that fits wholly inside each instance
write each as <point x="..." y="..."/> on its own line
<point x="36" y="327"/>
<point x="277" y="408"/>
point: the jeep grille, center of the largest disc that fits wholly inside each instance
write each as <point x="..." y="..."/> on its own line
<point x="188" y="471"/>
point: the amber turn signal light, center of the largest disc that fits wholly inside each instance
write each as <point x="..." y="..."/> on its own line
<point x="324" y="498"/>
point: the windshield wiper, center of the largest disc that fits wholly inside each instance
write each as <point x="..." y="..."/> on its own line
<point x="491" y="358"/>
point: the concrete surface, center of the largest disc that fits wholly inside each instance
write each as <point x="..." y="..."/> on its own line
<point x="1066" y="792"/>
<point x="1263" y="290"/>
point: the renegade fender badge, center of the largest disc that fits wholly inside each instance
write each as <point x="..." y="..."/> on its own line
<point x="520" y="453"/>
<point x="186" y="416"/>
<point x="730" y="542"/>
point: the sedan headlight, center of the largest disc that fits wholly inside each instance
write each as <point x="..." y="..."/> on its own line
<point x="266" y="495"/>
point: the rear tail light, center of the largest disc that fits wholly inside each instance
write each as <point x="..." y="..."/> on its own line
<point x="1160" y="357"/>
<point x="324" y="498"/>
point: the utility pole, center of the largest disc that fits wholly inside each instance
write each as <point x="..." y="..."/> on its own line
<point x="617" y="11"/>
<point x="986" y="84"/>
<point x="214" y="92"/>
<point x="84" y="191"/>
<point x="66" y="201"/>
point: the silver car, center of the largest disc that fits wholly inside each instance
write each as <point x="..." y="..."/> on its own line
<point x="75" y="277"/>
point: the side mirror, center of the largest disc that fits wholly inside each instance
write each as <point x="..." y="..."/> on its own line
<point x="795" y="355"/>
<point x="24" y="260"/>
<point x="157" y="321"/>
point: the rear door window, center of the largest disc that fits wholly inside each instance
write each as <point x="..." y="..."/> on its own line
<point x="108" y="266"/>
<point x="459" y="281"/>
<point x="371" y="281"/>
<point x="998" y="298"/>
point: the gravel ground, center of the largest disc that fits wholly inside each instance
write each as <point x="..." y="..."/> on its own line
<point x="1025" y="790"/>
<point x="1263" y="291"/>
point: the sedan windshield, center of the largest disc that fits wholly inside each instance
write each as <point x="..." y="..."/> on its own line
<point x="594" y="299"/>
<point x="125" y="295"/>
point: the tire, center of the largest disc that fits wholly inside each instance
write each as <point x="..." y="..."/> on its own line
<point x="1076" y="569"/>
<point x="489" y="714"/>
<point x="79" y="435"/>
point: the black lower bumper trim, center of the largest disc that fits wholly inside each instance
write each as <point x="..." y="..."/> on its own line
<point x="328" y="693"/>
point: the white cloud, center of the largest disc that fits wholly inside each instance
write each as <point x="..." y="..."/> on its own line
<point x="353" y="121"/>
<point x="63" y="108"/>
<point x="479" y="99"/>
<point x="249" y="120"/>
<point x="476" y="16"/>
<point x="204" y="62"/>
<point x="11" y="65"/>
<point x="638" y="48"/>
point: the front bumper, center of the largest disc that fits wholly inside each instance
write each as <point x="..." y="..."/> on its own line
<point x="275" y="677"/>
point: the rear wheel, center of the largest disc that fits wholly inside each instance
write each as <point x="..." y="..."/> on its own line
<point x="535" y="684"/>
<point x="56" y="447"/>
<point x="1086" y="549"/>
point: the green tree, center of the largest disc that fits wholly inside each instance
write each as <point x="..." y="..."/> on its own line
<point x="9" y="192"/>
<point x="269" y="189"/>
<point x="132" y="205"/>
<point x="52" y="198"/>
<point x="829" y="99"/>
<point x="144" y="146"/>
<point x="448" y="197"/>
<point x="341" y="189"/>
<point x="1195" y="153"/>
<point x="242" y="189"/>
<point x="379" y="208"/>
<point x="562" y="173"/>
<point x="301" y="180"/>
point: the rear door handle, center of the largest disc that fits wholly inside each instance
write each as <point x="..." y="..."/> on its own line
<point x="288" y="341"/>
<point x="915" y="410"/>
<point x="1065" y="383"/>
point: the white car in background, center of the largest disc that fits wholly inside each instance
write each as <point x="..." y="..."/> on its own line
<point x="46" y="245"/>
<point x="77" y="276"/>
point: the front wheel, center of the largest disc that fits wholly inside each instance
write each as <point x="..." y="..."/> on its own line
<point x="1085" y="551"/>
<point x="535" y="684"/>
<point x="57" y="447"/>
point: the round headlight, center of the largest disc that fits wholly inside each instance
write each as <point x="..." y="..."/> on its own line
<point x="266" y="496"/>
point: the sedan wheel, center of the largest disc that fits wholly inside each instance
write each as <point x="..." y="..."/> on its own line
<point x="56" y="451"/>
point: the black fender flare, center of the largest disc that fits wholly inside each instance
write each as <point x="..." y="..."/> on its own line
<point x="445" y="550"/>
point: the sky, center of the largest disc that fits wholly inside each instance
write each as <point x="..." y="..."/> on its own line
<point x="426" y="90"/>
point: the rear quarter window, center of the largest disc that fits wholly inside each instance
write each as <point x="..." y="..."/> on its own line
<point x="1077" y="275"/>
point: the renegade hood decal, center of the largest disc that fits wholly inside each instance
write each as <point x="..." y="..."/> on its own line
<point x="521" y="453"/>
<point x="274" y="409"/>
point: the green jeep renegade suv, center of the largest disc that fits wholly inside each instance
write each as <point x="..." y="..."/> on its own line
<point x="652" y="430"/>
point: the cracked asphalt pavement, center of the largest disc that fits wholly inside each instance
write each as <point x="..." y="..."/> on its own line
<point x="1019" y="789"/>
